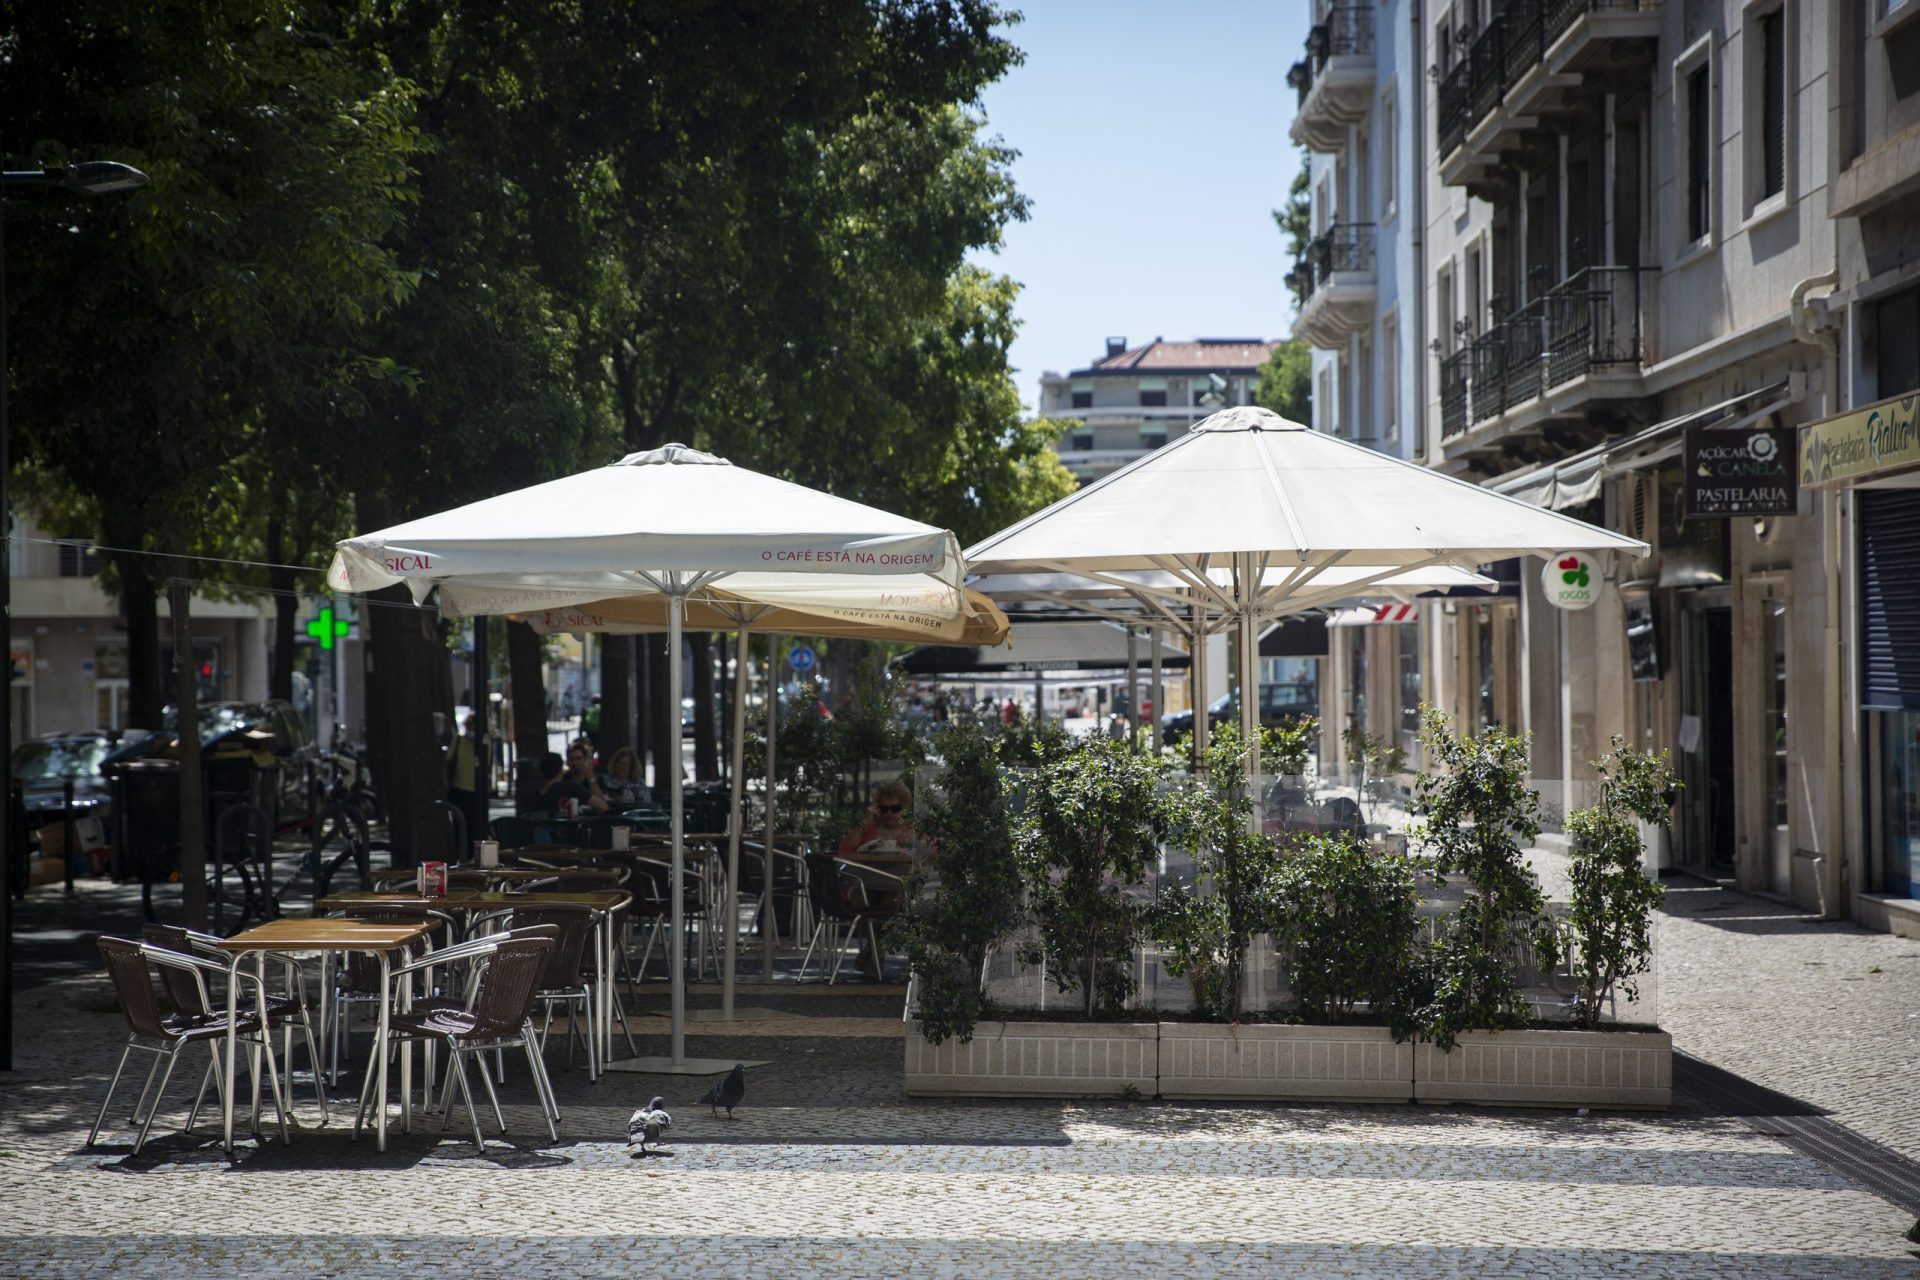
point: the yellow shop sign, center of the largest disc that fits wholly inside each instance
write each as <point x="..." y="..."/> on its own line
<point x="1874" y="440"/>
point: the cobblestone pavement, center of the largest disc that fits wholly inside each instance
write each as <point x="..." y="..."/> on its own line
<point x="832" y="1171"/>
<point x="1824" y="1011"/>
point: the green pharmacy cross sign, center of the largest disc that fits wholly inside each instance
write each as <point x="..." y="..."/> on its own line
<point x="326" y="628"/>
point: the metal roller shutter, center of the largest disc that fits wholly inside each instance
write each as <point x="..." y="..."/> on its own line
<point x="1889" y="523"/>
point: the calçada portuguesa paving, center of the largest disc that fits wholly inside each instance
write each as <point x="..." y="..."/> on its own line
<point x="831" y="1171"/>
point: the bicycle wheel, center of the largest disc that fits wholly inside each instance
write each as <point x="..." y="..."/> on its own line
<point x="232" y="899"/>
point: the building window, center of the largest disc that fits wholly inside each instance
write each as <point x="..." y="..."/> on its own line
<point x="77" y="559"/>
<point x="1390" y="377"/>
<point x="1410" y="693"/>
<point x="1082" y="440"/>
<point x="1699" y="134"/>
<point x="1153" y="438"/>
<point x="1153" y="399"/>
<point x="1773" y="103"/>
<point x="1083" y="399"/>
<point x="1389" y="155"/>
<point x="1443" y="310"/>
<point x="1896" y="344"/>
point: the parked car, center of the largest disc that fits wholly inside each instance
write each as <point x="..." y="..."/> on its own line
<point x="1279" y="703"/>
<point x="46" y="765"/>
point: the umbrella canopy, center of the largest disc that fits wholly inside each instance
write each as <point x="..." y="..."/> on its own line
<point x="981" y="621"/>
<point x="682" y="527"/>
<point x="1247" y="492"/>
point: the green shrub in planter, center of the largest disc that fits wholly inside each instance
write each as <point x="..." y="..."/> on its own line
<point x="1479" y="818"/>
<point x="1207" y="929"/>
<point x="1348" y="915"/>
<point x="965" y="900"/>
<point x="1612" y="899"/>
<point x="1094" y="816"/>
<point x="1287" y="747"/>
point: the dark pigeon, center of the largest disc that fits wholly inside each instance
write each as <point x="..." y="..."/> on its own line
<point x="728" y="1092"/>
<point x="647" y="1124"/>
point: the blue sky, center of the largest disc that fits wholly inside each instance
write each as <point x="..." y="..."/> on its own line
<point x="1153" y="141"/>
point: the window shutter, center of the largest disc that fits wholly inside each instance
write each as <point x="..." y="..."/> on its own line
<point x="1773" y="102"/>
<point x="1889" y="523"/>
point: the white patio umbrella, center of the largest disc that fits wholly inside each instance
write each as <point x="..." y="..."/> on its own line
<point x="677" y="524"/>
<point x="1249" y="513"/>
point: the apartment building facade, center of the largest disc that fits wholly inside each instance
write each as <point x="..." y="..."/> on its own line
<point x="1359" y="115"/>
<point x="1656" y="232"/>
<point x="1136" y="398"/>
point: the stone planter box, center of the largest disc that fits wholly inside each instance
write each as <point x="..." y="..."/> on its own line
<point x="1284" y="1064"/>
<point x="1036" y="1059"/>
<point x="1549" y="1068"/>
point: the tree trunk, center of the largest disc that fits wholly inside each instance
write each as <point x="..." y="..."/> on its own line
<point x="666" y="719"/>
<point x="529" y="711"/>
<point x="140" y="606"/>
<point x="285" y="605"/>
<point x="641" y="656"/>
<point x="616" y="717"/>
<point x="706" y="757"/>
<point x="193" y="814"/>
<point x="407" y="681"/>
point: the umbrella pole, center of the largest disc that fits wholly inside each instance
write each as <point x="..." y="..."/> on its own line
<point x="733" y="827"/>
<point x="1133" y="690"/>
<point x="773" y="758"/>
<point x="676" y="620"/>
<point x="1159" y="691"/>
<point x="1249" y="655"/>
<point x="1197" y="677"/>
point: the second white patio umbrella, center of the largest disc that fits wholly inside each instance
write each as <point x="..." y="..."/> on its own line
<point x="1254" y="516"/>
<point x="673" y="523"/>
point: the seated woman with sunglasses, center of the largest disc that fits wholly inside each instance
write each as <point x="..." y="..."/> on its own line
<point x="886" y="834"/>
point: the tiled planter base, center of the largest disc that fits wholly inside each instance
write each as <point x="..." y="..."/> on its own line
<point x="1537" y="1068"/>
<point x="1284" y="1064"/>
<point x="1036" y="1059"/>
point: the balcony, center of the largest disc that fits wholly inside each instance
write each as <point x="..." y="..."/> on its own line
<point x="1335" y="80"/>
<point x="1577" y="344"/>
<point x="1535" y="63"/>
<point x="1338" y="271"/>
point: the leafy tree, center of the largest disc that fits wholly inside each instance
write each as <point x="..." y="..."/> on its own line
<point x="1608" y="922"/>
<point x="1095" y="815"/>
<point x="1347" y="914"/>
<point x="1480" y="817"/>
<point x="1295" y="220"/>
<point x="965" y="900"/>
<point x="1286" y="382"/>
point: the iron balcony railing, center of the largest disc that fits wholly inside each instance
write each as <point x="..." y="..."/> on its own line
<point x="1300" y="78"/>
<point x="1593" y="320"/>
<point x="1526" y="338"/>
<point x="1347" y="30"/>
<point x="1526" y="37"/>
<point x="1488" y="81"/>
<point x="1453" y="393"/>
<point x="1451" y="102"/>
<point x="1489" y="374"/>
<point x="1342" y="247"/>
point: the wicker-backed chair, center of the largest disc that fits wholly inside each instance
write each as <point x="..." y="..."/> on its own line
<point x="284" y="1011"/>
<point x="500" y="1016"/>
<point x="132" y="966"/>
<point x="840" y="908"/>
<point x="357" y="982"/>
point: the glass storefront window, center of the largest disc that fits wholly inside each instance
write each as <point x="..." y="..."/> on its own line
<point x="1899" y="798"/>
<point x="1410" y="678"/>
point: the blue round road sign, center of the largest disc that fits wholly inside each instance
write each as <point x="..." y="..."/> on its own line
<point x="800" y="658"/>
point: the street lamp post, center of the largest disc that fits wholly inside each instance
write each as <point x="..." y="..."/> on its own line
<point x="91" y="177"/>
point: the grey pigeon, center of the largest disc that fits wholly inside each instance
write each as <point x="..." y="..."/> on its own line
<point x="728" y="1092"/>
<point x="647" y="1124"/>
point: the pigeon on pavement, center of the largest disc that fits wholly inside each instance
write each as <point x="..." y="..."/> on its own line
<point x="728" y="1092"/>
<point x="647" y="1124"/>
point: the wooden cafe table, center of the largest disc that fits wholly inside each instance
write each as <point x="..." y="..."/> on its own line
<point x="287" y="936"/>
<point x="602" y="902"/>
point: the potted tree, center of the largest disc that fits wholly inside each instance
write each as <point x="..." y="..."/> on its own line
<point x="962" y="903"/>
<point x="1477" y="1042"/>
<point x="1093" y="815"/>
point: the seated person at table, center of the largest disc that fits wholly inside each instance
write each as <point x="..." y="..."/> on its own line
<point x="573" y="782"/>
<point x="621" y="783"/>
<point x="886" y="829"/>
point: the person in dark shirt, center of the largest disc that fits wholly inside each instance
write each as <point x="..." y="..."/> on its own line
<point x="571" y="781"/>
